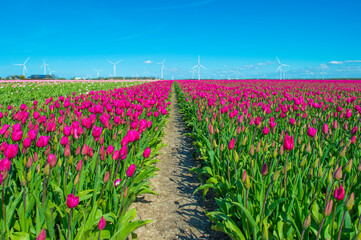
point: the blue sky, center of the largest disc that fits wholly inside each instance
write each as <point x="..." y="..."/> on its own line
<point x="74" y="37"/>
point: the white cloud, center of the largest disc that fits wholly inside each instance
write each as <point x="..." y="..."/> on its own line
<point x="336" y="62"/>
<point x="149" y="61"/>
<point x="353" y="61"/>
<point x="248" y="66"/>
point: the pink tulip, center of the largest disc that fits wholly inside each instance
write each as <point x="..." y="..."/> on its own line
<point x="52" y="160"/>
<point x="311" y="132"/>
<point x="265" y="130"/>
<point x="72" y="201"/>
<point x="117" y="182"/>
<point x="101" y="224"/>
<point x="231" y="144"/>
<point x="130" y="170"/>
<point x="288" y="143"/>
<point x="146" y="152"/>
<point x="42" y="235"/>
<point x="339" y="193"/>
<point x="11" y="151"/>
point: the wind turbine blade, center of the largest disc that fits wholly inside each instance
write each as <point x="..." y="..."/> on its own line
<point x="26" y="70"/>
<point x="194" y="66"/>
<point x="203" y="67"/>
<point x="18" y="64"/>
<point x="118" y="62"/>
<point x="284" y="65"/>
<point x="163" y="61"/>
<point x="26" y="60"/>
<point x="279" y="68"/>
<point x="110" y="61"/>
<point x="278" y="60"/>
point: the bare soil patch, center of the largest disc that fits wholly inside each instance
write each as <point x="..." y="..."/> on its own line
<point x="176" y="212"/>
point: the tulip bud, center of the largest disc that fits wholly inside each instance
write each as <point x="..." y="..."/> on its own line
<point x="244" y="176"/>
<point x="76" y="180"/>
<point x="338" y="173"/>
<point x="79" y="166"/>
<point x="101" y="224"/>
<point x="307" y="221"/>
<point x="236" y="157"/>
<point x="47" y="151"/>
<point x="328" y="209"/>
<point x="47" y="170"/>
<point x="244" y="141"/>
<point x="275" y="176"/>
<point x="258" y="148"/>
<point x="281" y="151"/>
<point x="275" y="153"/>
<point x="29" y="163"/>
<point x="77" y="152"/>
<point x="22" y="181"/>
<point x="343" y="152"/>
<point x="320" y="172"/>
<point x="42" y="235"/>
<point x="247" y="183"/>
<point x="304" y="161"/>
<point x="106" y="177"/>
<point x="348" y="166"/>
<point x="29" y="176"/>
<point x="308" y="148"/>
<point x="36" y="157"/>
<point x="251" y="150"/>
<point x="350" y="202"/>
<point x="264" y="169"/>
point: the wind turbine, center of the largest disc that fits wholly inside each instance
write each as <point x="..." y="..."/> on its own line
<point x="98" y="71"/>
<point x="24" y="67"/>
<point x="199" y="66"/>
<point x="280" y="67"/>
<point x="115" y="67"/>
<point x="44" y="66"/>
<point x="323" y="72"/>
<point x="145" y="72"/>
<point x="193" y="71"/>
<point x="161" y="68"/>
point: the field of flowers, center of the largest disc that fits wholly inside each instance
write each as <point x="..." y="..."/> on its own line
<point x="17" y="93"/>
<point x="74" y="156"/>
<point x="282" y="157"/>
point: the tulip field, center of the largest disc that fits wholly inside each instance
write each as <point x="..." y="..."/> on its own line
<point x="74" y="156"/>
<point x="282" y="157"/>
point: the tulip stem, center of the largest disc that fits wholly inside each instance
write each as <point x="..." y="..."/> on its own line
<point x="264" y="204"/>
<point x="69" y="224"/>
<point x="333" y="220"/>
<point x="319" y="230"/>
<point x="121" y="195"/>
<point x="341" y="226"/>
<point x="303" y="233"/>
<point x="3" y="205"/>
<point x="99" y="234"/>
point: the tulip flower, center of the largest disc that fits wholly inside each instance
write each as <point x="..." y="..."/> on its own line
<point x="288" y="143"/>
<point x="146" y="152"/>
<point x="325" y="128"/>
<point x="130" y="170"/>
<point x="52" y="160"/>
<point x="231" y="144"/>
<point x="264" y="169"/>
<point x="11" y="151"/>
<point x="72" y="201"/>
<point x="292" y="121"/>
<point x="101" y="224"/>
<point x="311" y="132"/>
<point x="339" y="193"/>
<point x="265" y="130"/>
<point x="42" y="235"/>
<point x="116" y="182"/>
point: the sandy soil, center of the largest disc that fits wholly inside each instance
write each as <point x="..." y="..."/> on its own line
<point x="176" y="212"/>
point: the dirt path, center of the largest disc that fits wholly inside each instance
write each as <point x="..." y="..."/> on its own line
<point x="176" y="213"/>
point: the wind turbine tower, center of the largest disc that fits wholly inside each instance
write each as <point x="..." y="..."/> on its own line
<point x="115" y="67"/>
<point x="280" y="66"/>
<point x="24" y="66"/>
<point x="161" y="69"/>
<point x="199" y="66"/>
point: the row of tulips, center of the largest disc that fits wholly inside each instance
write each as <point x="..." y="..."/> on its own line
<point x="282" y="157"/>
<point x="72" y="165"/>
<point x="26" y="92"/>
